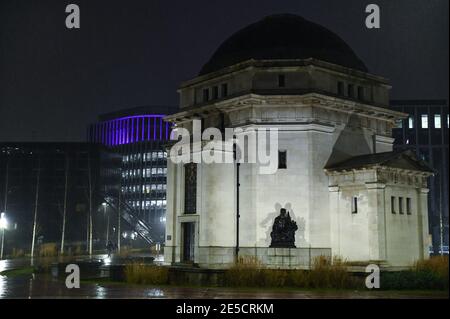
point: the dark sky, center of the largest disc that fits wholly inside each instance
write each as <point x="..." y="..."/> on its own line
<point x="54" y="81"/>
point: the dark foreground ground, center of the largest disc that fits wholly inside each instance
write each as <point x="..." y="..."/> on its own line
<point x="44" y="286"/>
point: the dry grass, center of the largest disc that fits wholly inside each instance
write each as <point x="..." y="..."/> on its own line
<point x="436" y="264"/>
<point x="325" y="273"/>
<point x="17" y="253"/>
<point x="48" y="250"/>
<point x="146" y="274"/>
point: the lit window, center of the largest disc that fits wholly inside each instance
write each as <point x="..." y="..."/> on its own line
<point x="424" y="120"/>
<point x="411" y="122"/>
<point x="354" y="205"/>
<point x="437" y="121"/>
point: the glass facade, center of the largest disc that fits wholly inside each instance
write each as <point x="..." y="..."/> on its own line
<point x="138" y="140"/>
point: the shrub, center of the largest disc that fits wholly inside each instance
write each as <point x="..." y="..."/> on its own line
<point x="48" y="250"/>
<point x="325" y="273"/>
<point x="438" y="265"/>
<point x="247" y="272"/>
<point x="425" y="274"/>
<point x="16" y="253"/>
<point x="146" y="274"/>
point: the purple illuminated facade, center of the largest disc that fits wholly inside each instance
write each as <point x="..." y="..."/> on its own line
<point x="136" y="165"/>
<point x="130" y="129"/>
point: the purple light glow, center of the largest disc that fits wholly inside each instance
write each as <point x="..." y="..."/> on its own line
<point x="131" y="129"/>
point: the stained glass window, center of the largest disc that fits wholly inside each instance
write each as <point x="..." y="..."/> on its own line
<point x="190" y="188"/>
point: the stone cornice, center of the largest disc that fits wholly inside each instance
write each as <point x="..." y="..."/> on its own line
<point x="378" y="175"/>
<point x="293" y="63"/>
<point x="310" y="99"/>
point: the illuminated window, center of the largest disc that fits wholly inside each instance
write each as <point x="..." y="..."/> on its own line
<point x="437" y="121"/>
<point x="411" y="122"/>
<point x="424" y="120"/>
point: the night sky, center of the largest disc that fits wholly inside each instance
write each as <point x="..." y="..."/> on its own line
<point x="55" y="81"/>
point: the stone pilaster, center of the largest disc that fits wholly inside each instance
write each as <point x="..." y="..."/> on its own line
<point x="422" y="215"/>
<point x="376" y="219"/>
<point x="335" y="236"/>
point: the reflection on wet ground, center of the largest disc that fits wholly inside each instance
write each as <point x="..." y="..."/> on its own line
<point x="44" y="286"/>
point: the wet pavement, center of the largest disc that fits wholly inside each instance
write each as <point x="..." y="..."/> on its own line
<point x="45" y="286"/>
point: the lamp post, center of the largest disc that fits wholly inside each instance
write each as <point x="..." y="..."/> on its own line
<point x="3" y="225"/>
<point x="107" y="221"/>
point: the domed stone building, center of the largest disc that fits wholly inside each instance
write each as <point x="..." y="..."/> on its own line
<point x="337" y="178"/>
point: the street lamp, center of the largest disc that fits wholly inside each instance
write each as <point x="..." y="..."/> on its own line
<point x="107" y="221"/>
<point x="3" y="226"/>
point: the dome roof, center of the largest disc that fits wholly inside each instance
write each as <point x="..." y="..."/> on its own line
<point x="284" y="36"/>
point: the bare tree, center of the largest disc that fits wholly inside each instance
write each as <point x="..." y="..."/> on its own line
<point x="5" y="205"/>
<point x="63" y="230"/>
<point x="36" y="202"/>
<point x="90" y="190"/>
<point x="118" y="222"/>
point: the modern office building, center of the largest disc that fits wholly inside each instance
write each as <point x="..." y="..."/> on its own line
<point x="425" y="131"/>
<point x="44" y="180"/>
<point x="137" y="136"/>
